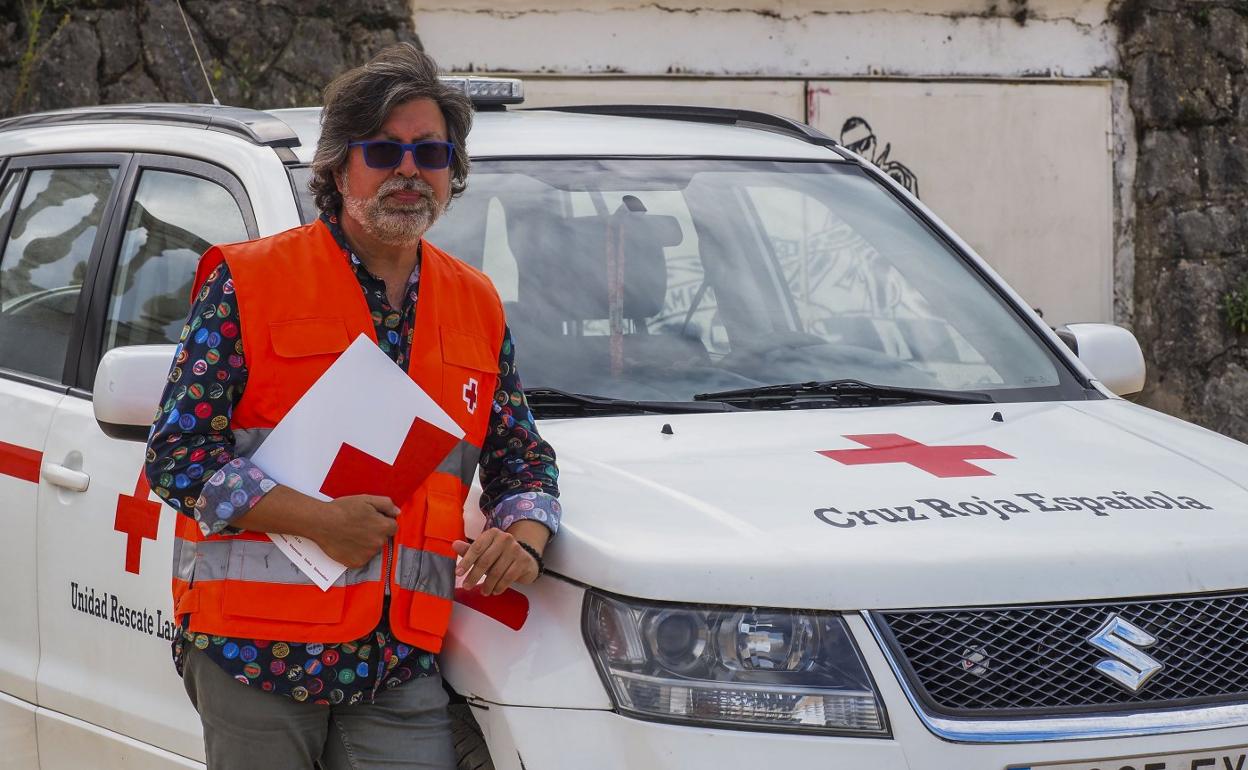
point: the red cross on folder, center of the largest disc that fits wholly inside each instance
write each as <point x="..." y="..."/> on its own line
<point x="355" y="472"/>
<point x="364" y="427"/>
<point x="943" y="461"/>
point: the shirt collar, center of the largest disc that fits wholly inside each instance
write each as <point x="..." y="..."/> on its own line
<point x="330" y="220"/>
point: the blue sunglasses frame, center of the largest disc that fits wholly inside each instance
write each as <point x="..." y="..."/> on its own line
<point x="404" y="149"/>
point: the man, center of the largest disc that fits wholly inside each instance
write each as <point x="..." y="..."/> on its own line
<point x="284" y="675"/>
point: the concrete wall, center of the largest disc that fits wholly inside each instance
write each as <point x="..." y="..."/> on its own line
<point x="786" y="38"/>
<point x="1022" y="170"/>
<point x="959" y="97"/>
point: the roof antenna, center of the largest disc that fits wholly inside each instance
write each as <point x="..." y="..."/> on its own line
<point x="195" y="48"/>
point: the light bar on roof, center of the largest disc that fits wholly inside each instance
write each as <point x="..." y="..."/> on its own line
<point x="483" y="91"/>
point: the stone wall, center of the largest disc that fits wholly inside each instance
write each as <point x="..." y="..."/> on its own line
<point x="262" y="53"/>
<point x="1186" y="62"/>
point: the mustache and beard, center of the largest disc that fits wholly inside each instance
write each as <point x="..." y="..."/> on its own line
<point x="390" y="220"/>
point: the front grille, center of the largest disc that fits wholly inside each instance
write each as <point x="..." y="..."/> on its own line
<point x="1026" y="661"/>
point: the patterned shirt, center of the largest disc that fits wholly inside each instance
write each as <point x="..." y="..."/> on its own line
<point x="191" y="441"/>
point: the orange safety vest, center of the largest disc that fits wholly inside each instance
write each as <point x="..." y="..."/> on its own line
<point x="299" y="306"/>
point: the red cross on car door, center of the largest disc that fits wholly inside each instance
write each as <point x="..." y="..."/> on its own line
<point x="105" y="541"/>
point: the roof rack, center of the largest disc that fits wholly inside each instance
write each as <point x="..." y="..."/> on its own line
<point x="255" y="126"/>
<point x="721" y="115"/>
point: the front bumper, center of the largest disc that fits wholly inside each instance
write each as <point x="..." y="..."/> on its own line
<point x="533" y="738"/>
<point x="523" y="738"/>
<point x="572" y="739"/>
<point x="570" y="724"/>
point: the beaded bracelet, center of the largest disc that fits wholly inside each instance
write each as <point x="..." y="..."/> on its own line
<point x="531" y="551"/>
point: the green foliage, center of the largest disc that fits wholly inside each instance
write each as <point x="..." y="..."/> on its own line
<point x="32" y="13"/>
<point x="1235" y="306"/>
<point x="1189" y="116"/>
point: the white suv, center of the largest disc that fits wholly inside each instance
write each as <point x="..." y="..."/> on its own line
<point x="836" y="497"/>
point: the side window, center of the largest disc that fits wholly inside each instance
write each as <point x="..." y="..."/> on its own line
<point x="8" y="193"/>
<point x="44" y="263"/>
<point x="173" y="219"/>
<point x="299" y="178"/>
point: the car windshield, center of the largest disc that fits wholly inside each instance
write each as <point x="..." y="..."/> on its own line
<point x="659" y="279"/>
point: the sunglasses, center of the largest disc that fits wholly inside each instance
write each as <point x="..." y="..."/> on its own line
<point x="387" y="154"/>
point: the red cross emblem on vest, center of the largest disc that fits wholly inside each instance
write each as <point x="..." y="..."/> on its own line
<point x="943" y="461"/>
<point x="470" y="395"/>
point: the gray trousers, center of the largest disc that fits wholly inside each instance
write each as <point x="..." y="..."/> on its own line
<point x="244" y="727"/>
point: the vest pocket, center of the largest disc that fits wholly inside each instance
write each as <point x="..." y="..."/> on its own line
<point x="429" y="572"/>
<point x="309" y="337"/>
<point x="430" y="614"/>
<point x="261" y="582"/>
<point x="444" y="519"/>
<point x="469" y="377"/>
<point x="468" y="350"/>
<point x="289" y="604"/>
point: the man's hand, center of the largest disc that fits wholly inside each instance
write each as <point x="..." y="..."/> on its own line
<point x="497" y="557"/>
<point x="351" y="529"/>
<point x="354" y="529"/>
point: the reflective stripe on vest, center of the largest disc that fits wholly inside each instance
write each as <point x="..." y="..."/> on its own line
<point x="426" y="572"/>
<point x="292" y="331"/>
<point x="248" y="440"/>
<point x="462" y="462"/>
<point x="251" y="560"/>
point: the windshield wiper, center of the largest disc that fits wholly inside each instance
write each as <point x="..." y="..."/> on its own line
<point x="552" y="403"/>
<point x="843" y="392"/>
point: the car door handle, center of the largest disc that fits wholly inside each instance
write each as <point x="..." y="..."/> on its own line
<point x="68" y="478"/>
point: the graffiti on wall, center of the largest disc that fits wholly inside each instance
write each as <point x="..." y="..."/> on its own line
<point x="858" y="136"/>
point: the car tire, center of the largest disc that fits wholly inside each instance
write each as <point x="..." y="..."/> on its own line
<point x="471" y="753"/>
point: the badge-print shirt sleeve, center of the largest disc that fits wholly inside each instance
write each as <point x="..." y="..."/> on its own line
<point x="519" y="478"/>
<point x="191" y="463"/>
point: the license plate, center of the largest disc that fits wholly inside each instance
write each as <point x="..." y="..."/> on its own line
<point x="1234" y="758"/>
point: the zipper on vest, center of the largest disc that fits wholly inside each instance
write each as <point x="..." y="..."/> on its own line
<point x="385" y="565"/>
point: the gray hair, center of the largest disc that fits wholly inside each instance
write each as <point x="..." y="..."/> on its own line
<point x="358" y="101"/>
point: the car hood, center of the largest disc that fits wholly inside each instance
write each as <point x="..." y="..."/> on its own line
<point x="1066" y="501"/>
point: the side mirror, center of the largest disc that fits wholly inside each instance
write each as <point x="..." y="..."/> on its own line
<point x="128" y="386"/>
<point x="1110" y="352"/>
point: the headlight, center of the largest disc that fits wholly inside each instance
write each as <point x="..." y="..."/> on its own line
<point x="732" y="666"/>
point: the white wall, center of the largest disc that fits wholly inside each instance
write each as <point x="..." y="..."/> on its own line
<point x="1023" y="171"/>
<point x="1023" y="167"/>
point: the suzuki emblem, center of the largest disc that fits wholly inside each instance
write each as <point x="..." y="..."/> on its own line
<point x="1130" y="667"/>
